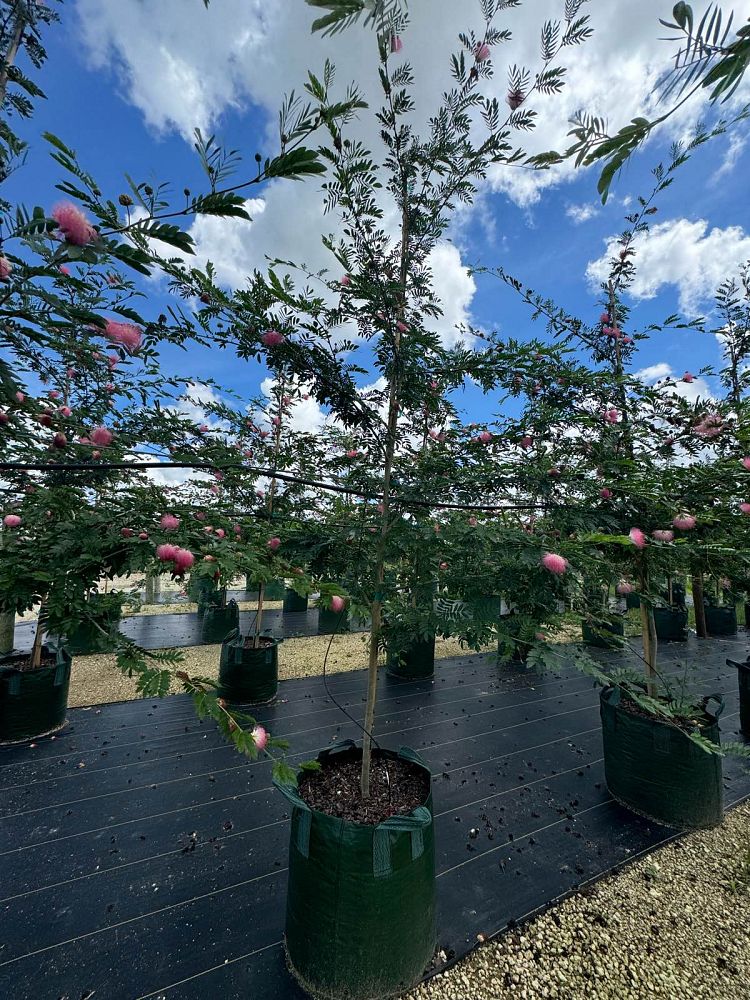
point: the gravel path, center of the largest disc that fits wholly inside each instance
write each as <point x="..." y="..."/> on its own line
<point x="673" y="926"/>
<point x="95" y="680"/>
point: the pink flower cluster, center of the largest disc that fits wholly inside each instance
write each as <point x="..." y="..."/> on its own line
<point x="126" y="334"/>
<point x="710" y="426"/>
<point x="182" y="558"/>
<point x="554" y="563"/>
<point x="73" y="224"/>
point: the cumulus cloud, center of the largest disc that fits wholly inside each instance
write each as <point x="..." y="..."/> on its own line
<point x="581" y="213"/>
<point x="683" y="253"/>
<point x="654" y="374"/>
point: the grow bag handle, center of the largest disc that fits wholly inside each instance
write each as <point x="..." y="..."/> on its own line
<point x="719" y="699"/>
<point x="739" y="663"/>
<point x="414" y="824"/>
<point x="406" y="753"/>
<point x="234" y="634"/>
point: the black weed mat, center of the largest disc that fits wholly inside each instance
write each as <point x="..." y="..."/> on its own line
<point x="141" y="857"/>
<point x="167" y="631"/>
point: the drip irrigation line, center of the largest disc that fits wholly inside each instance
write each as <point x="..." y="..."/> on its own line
<point x="285" y="477"/>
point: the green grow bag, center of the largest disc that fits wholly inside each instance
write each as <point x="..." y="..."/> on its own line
<point x="414" y="662"/>
<point x="330" y="622"/>
<point x="721" y="619"/>
<point x="603" y="635"/>
<point x="671" y="624"/>
<point x="632" y="600"/>
<point x="360" y="918"/>
<point x="248" y="675"/>
<point x="218" y="622"/>
<point x="743" y="671"/>
<point x="33" y="702"/>
<point x="656" y="771"/>
<point x="293" y="602"/>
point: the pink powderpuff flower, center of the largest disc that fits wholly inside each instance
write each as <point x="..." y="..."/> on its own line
<point x="710" y="426"/>
<point x="472" y="522"/>
<point x="126" y="532"/>
<point x="485" y="437"/>
<point x="54" y="394"/>
<point x="127" y="334"/>
<point x="746" y="463"/>
<point x="687" y="377"/>
<point x="352" y="453"/>
<point x="64" y="270"/>
<point x="611" y="416"/>
<point x="554" y="563"/>
<point x="143" y="535"/>
<point x="200" y="515"/>
<point x="272" y="338"/>
<point x="183" y="559"/>
<point x="59" y="440"/>
<point x="4" y="418"/>
<point x="482" y="52"/>
<point x="220" y="532"/>
<point x="273" y="543"/>
<point x="5" y="268"/>
<point x="20" y="397"/>
<point x="286" y="400"/>
<point x="337" y="604"/>
<point x="73" y="224"/>
<point x="102" y="436"/>
<point x="169" y="522"/>
<point x="96" y="454"/>
<point x="443" y="565"/>
<point x="65" y="411"/>
<point x="276" y="421"/>
<point x="113" y="361"/>
<point x="71" y="373"/>
<point x="214" y="490"/>
<point x="237" y="529"/>
<point x="264" y="434"/>
<point x="396" y="44"/>
<point x="605" y="493"/>
<point x="684" y="522"/>
<point x="346" y="280"/>
<point x="260" y="737"/>
<point x="604" y="318"/>
<point x="526" y="441"/>
<point x="209" y="559"/>
<point x="209" y="529"/>
<point x="434" y="434"/>
<point x="623" y="587"/>
<point x="637" y="537"/>
<point x="663" y="536"/>
<point x="166" y="553"/>
<point x="402" y="327"/>
<point x="745" y="508"/>
<point x="12" y="521"/>
<point x="554" y="472"/>
<point x="109" y="388"/>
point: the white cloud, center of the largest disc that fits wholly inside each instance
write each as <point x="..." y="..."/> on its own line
<point x="733" y="151"/>
<point x="697" y="389"/>
<point x="685" y="254"/>
<point x="581" y="213"/>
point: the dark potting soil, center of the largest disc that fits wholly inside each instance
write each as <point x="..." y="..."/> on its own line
<point x="396" y="787"/>
<point x="687" y="723"/>
<point x="23" y="660"/>
<point x="263" y="642"/>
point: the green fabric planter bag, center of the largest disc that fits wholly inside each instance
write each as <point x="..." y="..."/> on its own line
<point x="33" y="702"/>
<point x="656" y="771"/>
<point x="293" y="602"/>
<point x="202" y="590"/>
<point x="743" y="671"/>
<point x="331" y="622"/>
<point x="721" y="619"/>
<point x="248" y="675"/>
<point x="414" y="662"/>
<point x="360" y="918"/>
<point x="747" y="614"/>
<point x="632" y="600"/>
<point x="603" y="635"/>
<point x="87" y="638"/>
<point x="218" y="622"/>
<point x="671" y="624"/>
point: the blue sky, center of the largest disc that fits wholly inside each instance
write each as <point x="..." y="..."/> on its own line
<point x="95" y="83"/>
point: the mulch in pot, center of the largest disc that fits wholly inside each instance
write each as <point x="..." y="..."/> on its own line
<point x="23" y="661"/>
<point x="396" y="788"/>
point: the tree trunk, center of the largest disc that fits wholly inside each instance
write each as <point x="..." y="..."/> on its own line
<point x="35" y="659"/>
<point x="153" y="588"/>
<point x="9" y="56"/>
<point x="699" y="606"/>
<point x="7" y="631"/>
<point x="648" y="625"/>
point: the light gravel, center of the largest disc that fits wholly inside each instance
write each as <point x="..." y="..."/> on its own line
<point x="95" y="680"/>
<point x="674" y="925"/>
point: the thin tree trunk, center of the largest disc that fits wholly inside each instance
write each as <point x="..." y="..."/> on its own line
<point x="699" y="606"/>
<point x="35" y="659"/>
<point x="7" y="631"/>
<point x="9" y="56"/>
<point x="376" y="608"/>
<point x="650" y="643"/>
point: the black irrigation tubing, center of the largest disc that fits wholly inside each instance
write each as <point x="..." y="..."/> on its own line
<point x="314" y="483"/>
